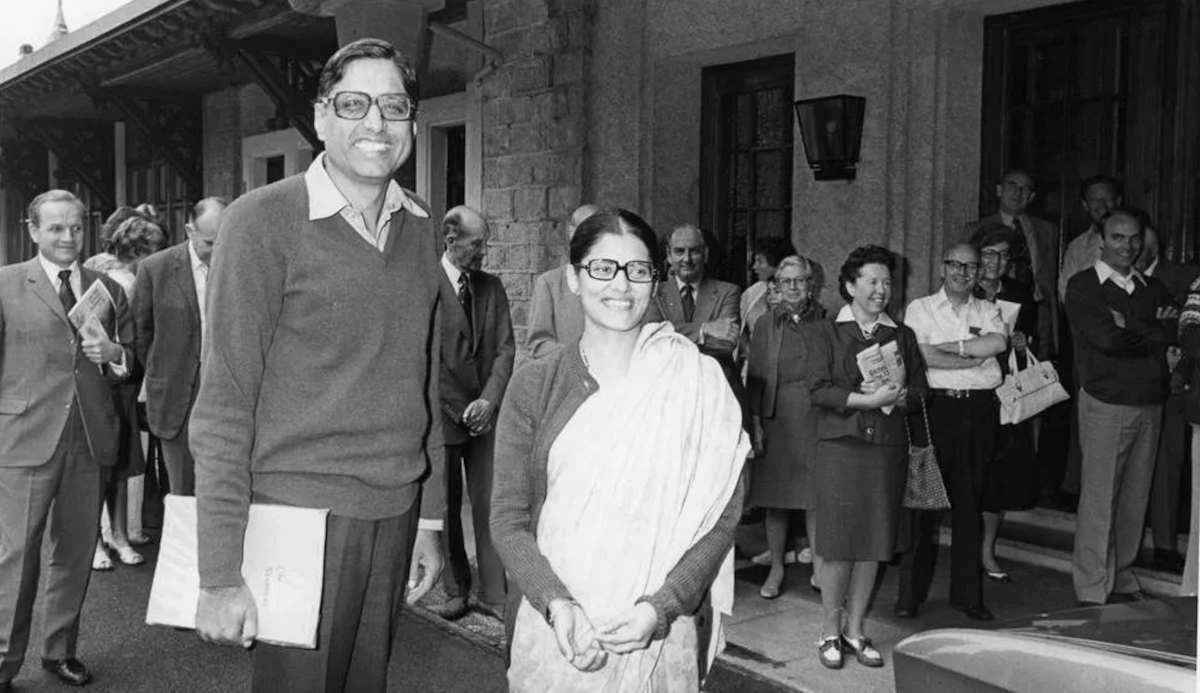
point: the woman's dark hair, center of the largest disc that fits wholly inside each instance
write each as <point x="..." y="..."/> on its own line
<point x="773" y="250"/>
<point x="859" y="258"/>
<point x="362" y="49"/>
<point x="113" y="221"/>
<point x="136" y="238"/>
<point x="995" y="233"/>
<point x="614" y="222"/>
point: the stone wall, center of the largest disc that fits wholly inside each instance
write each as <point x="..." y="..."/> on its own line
<point x="222" y="143"/>
<point x="535" y="127"/>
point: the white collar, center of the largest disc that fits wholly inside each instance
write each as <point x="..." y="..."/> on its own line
<point x="846" y="314"/>
<point x="1149" y="271"/>
<point x="325" y="200"/>
<point x="941" y="298"/>
<point x="451" y="271"/>
<point x="197" y="263"/>
<point x="679" y="284"/>
<point x="52" y="269"/>
<point x="1105" y="272"/>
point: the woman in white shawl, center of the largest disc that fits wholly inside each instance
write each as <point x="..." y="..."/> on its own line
<point x="617" y="487"/>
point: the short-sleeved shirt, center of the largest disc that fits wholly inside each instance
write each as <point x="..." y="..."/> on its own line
<point x="935" y="320"/>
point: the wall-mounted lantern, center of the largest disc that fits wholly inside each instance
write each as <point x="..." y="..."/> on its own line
<point x="831" y="127"/>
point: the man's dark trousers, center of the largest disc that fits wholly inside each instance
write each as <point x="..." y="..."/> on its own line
<point x="65" y="494"/>
<point x="366" y="576"/>
<point x="964" y="436"/>
<point x="474" y="457"/>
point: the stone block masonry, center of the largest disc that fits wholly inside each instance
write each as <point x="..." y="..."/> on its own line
<point x="534" y="134"/>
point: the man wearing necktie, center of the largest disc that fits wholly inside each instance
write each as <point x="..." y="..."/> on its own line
<point x="1039" y="267"/>
<point x="58" y="431"/>
<point x="477" y="359"/>
<point x="704" y="310"/>
<point x="169" y="319"/>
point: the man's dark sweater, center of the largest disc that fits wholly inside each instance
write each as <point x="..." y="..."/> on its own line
<point x="1120" y="365"/>
<point x="320" y="381"/>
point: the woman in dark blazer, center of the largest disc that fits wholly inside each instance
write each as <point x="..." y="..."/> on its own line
<point x="861" y="460"/>
<point x="783" y="432"/>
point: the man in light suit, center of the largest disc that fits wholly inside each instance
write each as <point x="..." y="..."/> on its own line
<point x="169" y="321"/>
<point x="703" y="310"/>
<point x="58" y="431"/>
<point x="555" y="314"/>
<point x="1039" y="269"/>
<point x="477" y="360"/>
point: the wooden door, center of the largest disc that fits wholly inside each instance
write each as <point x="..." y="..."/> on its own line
<point x="746" y="159"/>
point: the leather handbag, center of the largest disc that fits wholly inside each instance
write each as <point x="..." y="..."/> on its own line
<point x="923" y="488"/>
<point x="1027" y="393"/>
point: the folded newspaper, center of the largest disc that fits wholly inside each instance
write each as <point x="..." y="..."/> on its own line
<point x="90" y="312"/>
<point x="883" y="364"/>
<point x="282" y="563"/>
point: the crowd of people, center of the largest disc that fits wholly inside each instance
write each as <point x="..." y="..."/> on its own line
<point x="322" y="342"/>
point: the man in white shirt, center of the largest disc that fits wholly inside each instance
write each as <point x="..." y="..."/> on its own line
<point x="169" y="320"/>
<point x="960" y="336"/>
<point x="58" y="430"/>
<point x="1098" y="195"/>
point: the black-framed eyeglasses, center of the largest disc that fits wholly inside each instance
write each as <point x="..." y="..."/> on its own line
<point x="793" y="281"/>
<point x="354" y="105"/>
<point x="995" y="254"/>
<point x="605" y="270"/>
<point x="961" y="267"/>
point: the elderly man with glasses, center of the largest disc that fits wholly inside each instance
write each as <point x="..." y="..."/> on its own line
<point x="320" y="385"/>
<point x="960" y="336"/>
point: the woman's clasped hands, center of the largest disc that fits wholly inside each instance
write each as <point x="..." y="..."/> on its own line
<point x="587" y="646"/>
<point x="884" y="394"/>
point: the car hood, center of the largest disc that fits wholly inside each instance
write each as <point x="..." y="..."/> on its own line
<point x="1160" y="629"/>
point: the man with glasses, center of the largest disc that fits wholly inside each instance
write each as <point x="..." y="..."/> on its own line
<point x="1038" y="266"/>
<point x="1122" y="323"/>
<point x="706" y="311"/>
<point x="960" y="336"/>
<point x="477" y="360"/>
<point x="320" y="385"/>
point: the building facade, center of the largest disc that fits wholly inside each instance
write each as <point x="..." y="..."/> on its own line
<point x="681" y="110"/>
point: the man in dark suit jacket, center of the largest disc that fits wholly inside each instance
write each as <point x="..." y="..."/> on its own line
<point x="58" y="430"/>
<point x="1039" y="269"/>
<point x="169" y="326"/>
<point x="477" y="360"/>
<point x="1165" y="489"/>
<point x="555" y="314"/>
<point x="703" y="310"/>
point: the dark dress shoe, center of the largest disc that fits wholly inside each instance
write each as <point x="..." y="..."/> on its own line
<point x="1168" y="561"/>
<point x="975" y="612"/>
<point x="70" y="671"/>
<point x="1083" y="603"/>
<point x="904" y="611"/>
<point x="452" y="609"/>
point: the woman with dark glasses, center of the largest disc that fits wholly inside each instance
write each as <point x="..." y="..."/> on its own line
<point x="617" y="486"/>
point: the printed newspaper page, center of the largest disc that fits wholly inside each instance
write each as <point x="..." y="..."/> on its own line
<point x="90" y="311"/>
<point x="283" y="564"/>
<point x="884" y="364"/>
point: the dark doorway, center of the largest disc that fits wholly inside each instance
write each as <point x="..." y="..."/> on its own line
<point x="1092" y="87"/>
<point x="746" y="160"/>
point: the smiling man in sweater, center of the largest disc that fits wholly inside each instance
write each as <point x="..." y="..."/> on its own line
<point x="1122" y="323"/>
<point x="320" y="385"/>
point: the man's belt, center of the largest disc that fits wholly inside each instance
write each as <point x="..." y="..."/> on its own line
<point x="959" y="394"/>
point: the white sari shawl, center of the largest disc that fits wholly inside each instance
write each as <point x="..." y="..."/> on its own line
<point x="639" y="474"/>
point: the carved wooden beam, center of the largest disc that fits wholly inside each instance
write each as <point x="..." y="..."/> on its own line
<point x="171" y="128"/>
<point x="84" y="148"/>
